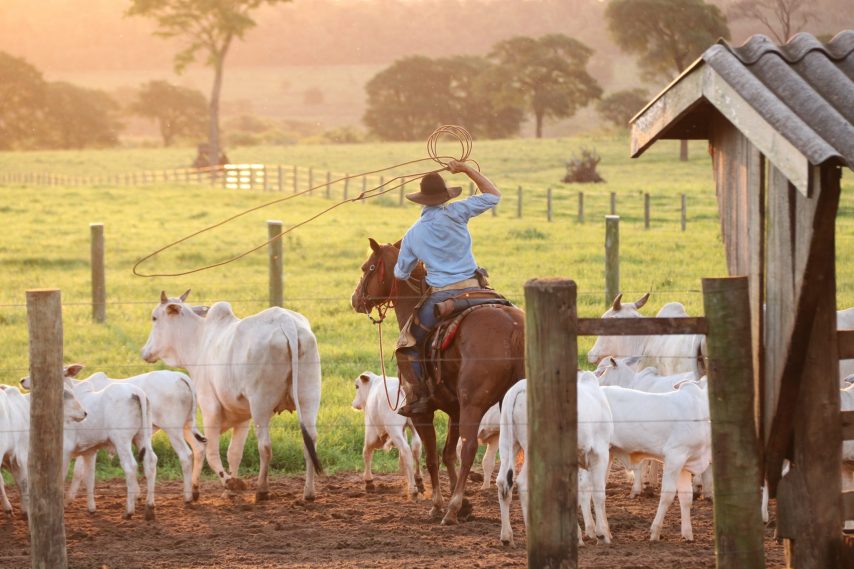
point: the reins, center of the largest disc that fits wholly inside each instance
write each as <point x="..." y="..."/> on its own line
<point x="461" y="134"/>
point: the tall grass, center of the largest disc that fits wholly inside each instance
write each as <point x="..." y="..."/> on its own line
<point x="46" y="244"/>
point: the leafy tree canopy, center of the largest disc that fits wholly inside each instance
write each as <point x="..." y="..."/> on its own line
<point x="179" y="111"/>
<point x="80" y="118"/>
<point x="546" y="75"/>
<point x="667" y="35"/>
<point x="619" y="107"/>
<point x="22" y="92"/>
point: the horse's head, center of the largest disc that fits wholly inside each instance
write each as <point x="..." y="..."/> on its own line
<point x="375" y="286"/>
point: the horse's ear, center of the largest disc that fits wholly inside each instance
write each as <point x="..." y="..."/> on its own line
<point x="374" y="245"/>
<point x="642" y="300"/>
<point x="616" y="306"/>
<point x="397" y="243"/>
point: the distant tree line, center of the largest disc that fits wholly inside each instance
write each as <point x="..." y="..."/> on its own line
<point x="36" y="113"/>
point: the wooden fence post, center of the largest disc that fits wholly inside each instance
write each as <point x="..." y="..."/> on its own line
<point x="612" y="258"/>
<point x="310" y="181"/>
<point x="328" y="184"/>
<point x="280" y="180"/>
<point x="548" y="204"/>
<point x="646" y="211"/>
<point x="519" y="203"/>
<point x="346" y="184"/>
<point x="266" y="173"/>
<point x="274" y="228"/>
<point x="739" y="529"/>
<point x="46" y="479"/>
<point x="684" y="212"/>
<point x="580" y="207"/>
<point x="364" y="188"/>
<point x="551" y="353"/>
<point x="99" y="287"/>
<point x="613" y="203"/>
<point x="296" y="184"/>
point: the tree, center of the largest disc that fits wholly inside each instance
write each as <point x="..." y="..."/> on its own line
<point x="783" y="18"/>
<point x="22" y="92"/>
<point x="546" y="75"/>
<point x="77" y="117"/>
<point x="179" y="111"/>
<point x="209" y="27"/>
<point x="619" y="107"/>
<point x="667" y="35"/>
<point x="410" y="98"/>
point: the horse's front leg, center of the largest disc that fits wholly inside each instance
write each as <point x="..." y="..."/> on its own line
<point x="468" y="424"/>
<point x="424" y="427"/>
<point x="449" y="454"/>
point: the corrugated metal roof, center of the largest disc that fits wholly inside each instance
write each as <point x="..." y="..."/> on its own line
<point x="804" y="89"/>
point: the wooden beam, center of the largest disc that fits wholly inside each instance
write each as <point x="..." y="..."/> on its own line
<point x="848" y="505"/>
<point x="846" y="343"/>
<point x="640" y="326"/>
<point x="848" y="425"/>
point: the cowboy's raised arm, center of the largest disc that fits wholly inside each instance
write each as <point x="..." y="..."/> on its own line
<point x="483" y="183"/>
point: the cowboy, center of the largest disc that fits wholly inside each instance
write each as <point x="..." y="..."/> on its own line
<point x="441" y="240"/>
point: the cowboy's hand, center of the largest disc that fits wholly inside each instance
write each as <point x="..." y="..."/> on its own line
<point x="455" y="167"/>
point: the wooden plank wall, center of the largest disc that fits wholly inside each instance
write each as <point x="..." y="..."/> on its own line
<point x="740" y="186"/>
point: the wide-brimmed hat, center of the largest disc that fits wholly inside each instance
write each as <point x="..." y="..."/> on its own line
<point x="433" y="191"/>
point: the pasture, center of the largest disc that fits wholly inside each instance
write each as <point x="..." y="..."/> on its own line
<point x="46" y="244"/>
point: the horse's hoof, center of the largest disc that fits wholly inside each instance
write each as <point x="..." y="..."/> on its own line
<point x="436" y="512"/>
<point x="149" y="513"/>
<point x="465" y="510"/>
<point x="369" y="486"/>
<point x="235" y="484"/>
<point x="261" y="496"/>
<point x="449" y="520"/>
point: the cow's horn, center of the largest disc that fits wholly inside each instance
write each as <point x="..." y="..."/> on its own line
<point x="616" y="306"/>
<point x="163" y="298"/>
<point x="185" y="295"/>
<point x="642" y="300"/>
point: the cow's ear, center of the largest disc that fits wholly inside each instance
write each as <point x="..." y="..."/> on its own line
<point x="185" y="295"/>
<point x="365" y="378"/>
<point x="374" y="245"/>
<point x="173" y="309"/>
<point x="73" y="370"/>
<point x="639" y="303"/>
<point x="613" y="362"/>
<point x="616" y="306"/>
<point x="632" y="360"/>
<point x="398" y="243"/>
<point x="163" y="298"/>
<point x="201" y="310"/>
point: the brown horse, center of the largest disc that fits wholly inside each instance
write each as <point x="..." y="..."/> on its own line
<point x="485" y="358"/>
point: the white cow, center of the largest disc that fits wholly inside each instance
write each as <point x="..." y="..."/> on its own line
<point x="672" y="428"/>
<point x="670" y="354"/>
<point x="117" y="417"/>
<point x="172" y="404"/>
<point x="595" y="429"/>
<point x="244" y="371"/>
<point x="385" y="428"/>
<point x="847" y="403"/>
<point x="487" y="434"/>
<point x="845" y="321"/>
<point x="15" y="437"/>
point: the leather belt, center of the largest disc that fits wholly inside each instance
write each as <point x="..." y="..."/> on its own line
<point x="467" y="283"/>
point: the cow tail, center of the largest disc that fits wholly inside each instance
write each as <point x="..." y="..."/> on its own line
<point x="192" y="418"/>
<point x="510" y="428"/>
<point x="147" y="431"/>
<point x="698" y="360"/>
<point x="293" y="346"/>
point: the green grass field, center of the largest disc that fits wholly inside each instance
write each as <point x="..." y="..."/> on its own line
<point x="46" y="244"/>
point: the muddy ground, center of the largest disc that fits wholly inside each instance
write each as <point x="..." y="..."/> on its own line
<point x="346" y="527"/>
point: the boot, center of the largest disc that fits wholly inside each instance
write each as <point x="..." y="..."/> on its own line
<point x="417" y="395"/>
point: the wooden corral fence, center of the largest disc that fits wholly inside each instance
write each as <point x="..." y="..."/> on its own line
<point x="339" y="185"/>
<point x="552" y="328"/>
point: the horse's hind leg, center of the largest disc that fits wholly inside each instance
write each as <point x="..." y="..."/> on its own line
<point x="449" y="455"/>
<point x="424" y="427"/>
<point x="468" y="426"/>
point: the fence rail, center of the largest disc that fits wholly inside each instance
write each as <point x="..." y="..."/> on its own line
<point x="533" y="200"/>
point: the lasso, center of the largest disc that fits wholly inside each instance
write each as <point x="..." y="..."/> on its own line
<point x="461" y="134"/>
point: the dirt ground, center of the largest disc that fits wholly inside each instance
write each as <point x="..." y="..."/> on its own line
<point x="346" y="527"/>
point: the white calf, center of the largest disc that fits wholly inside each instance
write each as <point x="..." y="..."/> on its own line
<point x="672" y="428"/>
<point x="385" y="428"/>
<point x="15" y="437"/>
<point x="172" y="404"/>
<point x="595" y="428"/>
<point x="487" y="434"/>
<point x="118" y="416"/>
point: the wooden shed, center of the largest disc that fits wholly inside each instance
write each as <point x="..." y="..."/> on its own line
<point x="779" y="124"/>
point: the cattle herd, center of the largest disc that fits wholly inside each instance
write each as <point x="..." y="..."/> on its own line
<point x="645" y="406"/>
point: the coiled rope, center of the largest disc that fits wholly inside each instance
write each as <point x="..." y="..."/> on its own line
<point x="461" y="134"/>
